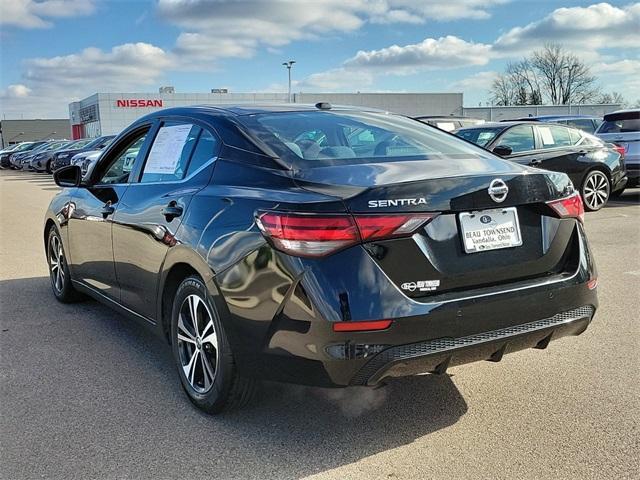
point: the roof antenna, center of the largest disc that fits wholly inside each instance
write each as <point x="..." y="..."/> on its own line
<point x="323" y="106"/>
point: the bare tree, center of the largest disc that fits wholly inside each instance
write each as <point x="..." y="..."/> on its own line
<point x="613" y="97"/>
<point x="552" y="74"/>
<point x="502" y="91"/>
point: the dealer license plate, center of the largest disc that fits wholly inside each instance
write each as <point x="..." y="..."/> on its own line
<point x="490" y="229"/>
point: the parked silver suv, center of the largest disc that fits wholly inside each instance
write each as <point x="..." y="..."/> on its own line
<point x="623" y="129"/>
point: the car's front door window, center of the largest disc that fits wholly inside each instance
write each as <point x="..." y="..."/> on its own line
<point x="121" y="165"/>
<point x="519" y="138"/>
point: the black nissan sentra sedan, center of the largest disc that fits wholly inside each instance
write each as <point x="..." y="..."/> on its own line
<point x="319" y="245"/>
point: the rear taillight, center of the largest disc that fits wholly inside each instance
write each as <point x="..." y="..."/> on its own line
<point x="311" y="235"/>
<point x="569" y="207"/>
<point x="620" y="149"/>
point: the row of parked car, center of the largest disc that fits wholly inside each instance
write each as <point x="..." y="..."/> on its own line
<point x="601" y="156"/>
<point x="50" y="155"/>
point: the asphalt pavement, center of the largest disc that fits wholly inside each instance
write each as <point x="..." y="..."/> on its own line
<point x="84" y="393"/>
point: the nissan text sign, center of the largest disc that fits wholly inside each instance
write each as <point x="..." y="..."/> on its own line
<point x="138" y="103"/>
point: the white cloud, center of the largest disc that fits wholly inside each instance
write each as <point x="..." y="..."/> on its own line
<point x="442" y="53"/>
<point x="621" y="76"/>
<point x="216" y="29"/>
<point x="597" y="26"/>
<point x="15" y="91"/>
<point x="37" y="14"/>
<point x="52" y="83"/>
<point x="441" y="10"/>
<point x="477" y="81"/>
<point x="125" y="66"/>
<point x="336" y="80"/>
<point x="624" y="67"/>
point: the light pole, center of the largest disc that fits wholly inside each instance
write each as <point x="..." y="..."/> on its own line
<point x="289" y="64"/>
<point x="15" y="136"/>
<point x="568" y="69"/>
<point x="48" y="135"/>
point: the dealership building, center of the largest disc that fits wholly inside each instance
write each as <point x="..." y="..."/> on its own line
<point x="109" y="113"/>
<point x="32" y="130"/>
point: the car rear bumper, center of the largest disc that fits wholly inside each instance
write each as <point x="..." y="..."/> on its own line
<point x="633" y="174"/>
<point x="437" y="355"/>
<point x="299" y="344"/>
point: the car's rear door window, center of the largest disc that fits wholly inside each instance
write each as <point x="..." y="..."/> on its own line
<point x="519" y="138"/>
<point x="553" y="136"/>
<point x="170" y="152"/>
<point x="206" y="149"/>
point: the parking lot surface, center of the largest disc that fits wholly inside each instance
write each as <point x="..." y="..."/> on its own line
<point x="87" y="394"/>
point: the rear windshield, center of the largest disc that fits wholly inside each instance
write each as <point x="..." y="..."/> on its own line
<point x="621" y="123"/>
<point x="479" y="136"/>
<point x="318" y="138"/>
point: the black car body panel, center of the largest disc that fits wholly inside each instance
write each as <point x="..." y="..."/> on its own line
<point x="279" y="310"/>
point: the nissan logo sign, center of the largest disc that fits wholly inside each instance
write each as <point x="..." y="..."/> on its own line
<point x="498" y="190"/>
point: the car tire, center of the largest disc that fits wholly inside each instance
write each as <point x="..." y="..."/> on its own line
<point x="595" y="191"/>
<point x="59" y="275"/>
<point x="48" y="168"/>
<point x="202" y="354"/>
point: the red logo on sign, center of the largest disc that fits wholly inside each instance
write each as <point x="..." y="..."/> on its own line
<point x="137" y="103"/>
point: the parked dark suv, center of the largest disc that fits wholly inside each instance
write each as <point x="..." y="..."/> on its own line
<point x="382" y="248"/>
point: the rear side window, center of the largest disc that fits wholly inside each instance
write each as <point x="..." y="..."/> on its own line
<point x="479" y="136"/>
<point x="520" y="138"/>
<point x="575" y="136"/>
<point x="170" y="153"/>
<point x="206" y="149"/>
<point x="316" y="138"/>
<point x="584" y="124"/>
<point x="554" y="137"/>
<point x="621" y="123"/>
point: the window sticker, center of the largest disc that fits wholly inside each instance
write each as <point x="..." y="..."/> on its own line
<point x="167" y="149"/>
<point x="547" y="137"/>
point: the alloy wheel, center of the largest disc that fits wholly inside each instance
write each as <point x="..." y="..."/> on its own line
<point x="56" y="262"/>
<point x="197" y="343"/>
<point x="596" y="190"/>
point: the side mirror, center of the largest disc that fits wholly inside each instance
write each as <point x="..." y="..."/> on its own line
<point x="69" y="176"/>
<point x="503" y="150"/>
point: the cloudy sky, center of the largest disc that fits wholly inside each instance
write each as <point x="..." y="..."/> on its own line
<point x="57" y="51"/>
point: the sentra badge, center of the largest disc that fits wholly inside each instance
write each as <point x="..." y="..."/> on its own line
<point x="397" y="202"/>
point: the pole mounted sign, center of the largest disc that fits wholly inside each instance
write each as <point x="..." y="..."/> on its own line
<point x="138" y="103"/>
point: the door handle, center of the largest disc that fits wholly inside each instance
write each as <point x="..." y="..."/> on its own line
<point x="107" y="210"/>
<point x="172" y="211"/>
<point x="535" y="162"/>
